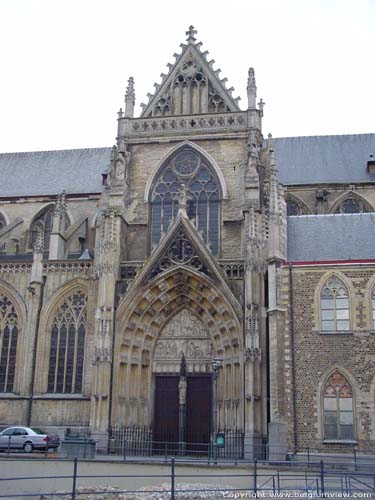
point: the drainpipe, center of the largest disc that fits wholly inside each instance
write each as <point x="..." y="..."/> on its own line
<point x="292" y="346"/>
<point x="35" y="347"/>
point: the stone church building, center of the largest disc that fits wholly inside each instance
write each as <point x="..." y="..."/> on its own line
<point x="195" y="278"/>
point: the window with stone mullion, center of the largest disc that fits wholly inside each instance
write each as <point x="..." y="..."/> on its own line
<point x="334" y="307"/>
<point x="338" y="408"/>
<point x="67" y="346"/>
<point x="189" y="168"/>
<point x="8" y="344"/>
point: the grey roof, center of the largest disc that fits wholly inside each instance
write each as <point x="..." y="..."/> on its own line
<point x="324" y="159"/>
<point x="50" y="172"/>
<point x="331" y="237"/>
<point x="301" y="160"/>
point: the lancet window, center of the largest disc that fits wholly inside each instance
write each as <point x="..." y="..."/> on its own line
<point x="292" y="208"/>
<point x="8" y="343"/>
<point x="188" y="168"/>
<point x="334" y="306"/>
<point x="66" y="358"/>
<point x="338" y="408"/>
<point x="43" y="222"/>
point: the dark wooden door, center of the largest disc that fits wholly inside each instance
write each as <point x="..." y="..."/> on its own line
<point x="166" y="413"/>
<point x="198" y="413"/>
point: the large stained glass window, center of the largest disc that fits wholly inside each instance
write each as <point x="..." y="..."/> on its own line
<point x="334" y="306"/>
<point x="67" y="345"/>
<point x="8" y="343"/>
<point x="338" y="408"/>
<point x="188" y="168"/>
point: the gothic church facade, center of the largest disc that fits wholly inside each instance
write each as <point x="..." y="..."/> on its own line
<point x="195" y="277"/>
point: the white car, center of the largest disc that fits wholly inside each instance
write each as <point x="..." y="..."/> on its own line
<point x="28" y="439"/>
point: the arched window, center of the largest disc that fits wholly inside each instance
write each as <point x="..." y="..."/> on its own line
<point x="338" y="408"/>
<point x="334" y="306"/>
<point x="292" y="208"/>
<point x="8" y="343"/>
<point x="351" y="206"/>
<point x="203" y="192"/>
<point x="43" y="222"/>
<point x="373" y="309"/>
<point x="67" y="345"/>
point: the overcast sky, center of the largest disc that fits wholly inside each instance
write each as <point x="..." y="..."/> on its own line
<point x="65" y="63"/>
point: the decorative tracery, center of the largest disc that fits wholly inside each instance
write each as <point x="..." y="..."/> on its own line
<point x="189" y="168"/>
<point x="8" y="343"/>
<point x="351" y="205"/>
<point x="67" y="345"/>
<point x="334" y="304"/>
<point x="338" y="408"/>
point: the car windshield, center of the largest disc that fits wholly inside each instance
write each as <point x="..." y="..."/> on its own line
<point x="37" y="431"/>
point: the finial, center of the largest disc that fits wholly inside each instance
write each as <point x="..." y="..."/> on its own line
<point x="190" y="35"/>
<point x="270" y="144"/>
<point x="251" y="89"/>
<point x="261" y="104"/>
<point x="130" y="98"/>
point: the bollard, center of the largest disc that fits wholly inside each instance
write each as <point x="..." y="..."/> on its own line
<point x="75" y="466"/>
<point x="172" y="478"/>
<point x="322" y="479"/>
<point x="255" y="477"/>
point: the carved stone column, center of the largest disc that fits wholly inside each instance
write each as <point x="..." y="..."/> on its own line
<point x="106" y="267"/>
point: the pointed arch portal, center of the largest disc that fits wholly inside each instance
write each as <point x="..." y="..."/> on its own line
<point x="179" y="312"/>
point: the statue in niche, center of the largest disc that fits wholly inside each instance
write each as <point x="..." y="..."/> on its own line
<point x="122" y="165"/>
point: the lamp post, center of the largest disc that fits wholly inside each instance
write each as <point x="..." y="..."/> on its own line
<point x="216" y="364"/>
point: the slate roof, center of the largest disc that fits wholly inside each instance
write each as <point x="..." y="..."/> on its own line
<point x="51" y="172"/>
<point x="324" y="159"/>
<point x="301" y="160"/>
<point x="331" y="237"/>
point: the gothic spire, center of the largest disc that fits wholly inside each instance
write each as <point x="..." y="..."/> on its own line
<point x="130" y="98"/>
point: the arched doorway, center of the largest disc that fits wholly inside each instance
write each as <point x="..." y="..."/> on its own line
<point x="183" y="396"/>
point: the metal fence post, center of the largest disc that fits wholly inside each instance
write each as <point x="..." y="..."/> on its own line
<point x="75" y="466"/>
<point x="322" y="488"/>
<point x="255" y="477"/>
<point x="355" y="459"/>
<point x="172" y="478"/>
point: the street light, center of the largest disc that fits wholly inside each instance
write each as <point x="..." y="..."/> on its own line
<point x="216" y="363"/>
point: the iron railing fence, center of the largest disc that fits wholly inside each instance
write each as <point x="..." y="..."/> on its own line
<point x="139" y="441"/>
<point x="250" y="480"/>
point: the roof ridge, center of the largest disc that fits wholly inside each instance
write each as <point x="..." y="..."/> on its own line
<point x="321" y="135"/>
<point x="53" y="150"/>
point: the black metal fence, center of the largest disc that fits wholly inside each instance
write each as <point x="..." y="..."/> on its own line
<point x="251" y="480"/>
<point x="138" y="441"/>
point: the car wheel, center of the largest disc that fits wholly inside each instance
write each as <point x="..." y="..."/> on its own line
<point x="28" y="447"/>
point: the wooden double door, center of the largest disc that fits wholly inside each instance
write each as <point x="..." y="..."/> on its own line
<point x="196" y="429"/>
